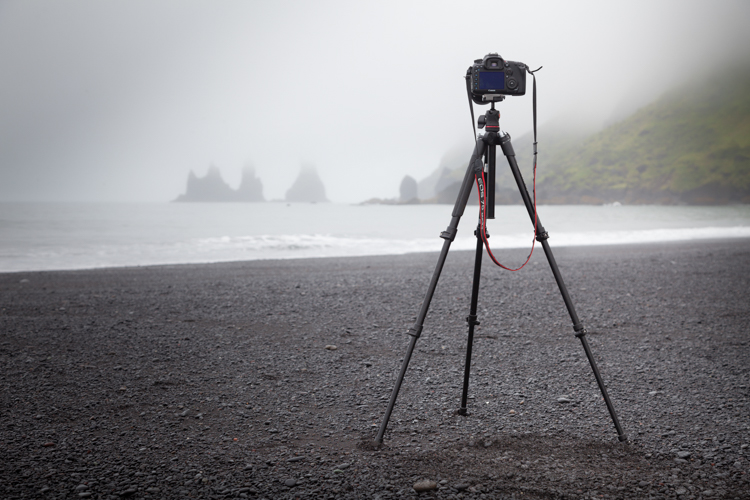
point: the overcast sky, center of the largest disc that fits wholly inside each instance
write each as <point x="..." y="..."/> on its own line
<point x="119" y="100"/>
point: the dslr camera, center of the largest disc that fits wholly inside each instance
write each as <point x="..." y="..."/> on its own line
<point x="492" y="78"/>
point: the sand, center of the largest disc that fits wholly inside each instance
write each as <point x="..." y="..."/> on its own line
<point x="268" y="379"/>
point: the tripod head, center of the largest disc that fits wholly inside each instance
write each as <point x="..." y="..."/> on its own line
<point x="490" y="120"/>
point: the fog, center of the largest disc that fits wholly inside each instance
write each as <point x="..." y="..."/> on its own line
<point x="118" y="101"/>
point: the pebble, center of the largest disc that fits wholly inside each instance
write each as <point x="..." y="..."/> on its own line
<point x="291" y="483"/>
<point x="331" y="347"/>
<point x="425" y="485"/>
<point x="564" y="399"/>
<point x="233" y="386"/>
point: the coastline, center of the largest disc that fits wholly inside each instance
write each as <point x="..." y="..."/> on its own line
<point x="214" y="379"/>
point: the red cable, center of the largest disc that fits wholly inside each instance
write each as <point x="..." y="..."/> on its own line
<point x="483" y="222"/>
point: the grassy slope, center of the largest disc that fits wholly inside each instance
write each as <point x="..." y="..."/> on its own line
<point x="693" y="146"/>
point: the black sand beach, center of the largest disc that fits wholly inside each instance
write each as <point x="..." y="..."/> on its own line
<point x="215" y="381"/>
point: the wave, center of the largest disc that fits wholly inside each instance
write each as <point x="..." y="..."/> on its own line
<point x="262" y="247"/>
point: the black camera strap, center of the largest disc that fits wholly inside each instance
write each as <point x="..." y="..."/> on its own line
<point x="471" y="106"/>
<point x="533" y="100"/>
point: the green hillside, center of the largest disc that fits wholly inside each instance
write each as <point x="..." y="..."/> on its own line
<point x="690" y="146"/>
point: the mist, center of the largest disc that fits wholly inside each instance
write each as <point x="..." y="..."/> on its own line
<point x="118" y="101"/>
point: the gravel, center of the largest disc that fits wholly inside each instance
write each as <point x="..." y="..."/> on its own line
<point x="222" y="380"/>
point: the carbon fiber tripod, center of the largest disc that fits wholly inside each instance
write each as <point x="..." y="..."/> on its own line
<point x="486" y="148"/>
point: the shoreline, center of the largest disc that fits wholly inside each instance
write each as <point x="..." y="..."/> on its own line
<point x="201" y="380"/>
<point x="689" y="242"/>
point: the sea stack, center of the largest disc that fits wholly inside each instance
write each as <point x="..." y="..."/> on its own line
<point x="308" y="187"/>
<point x="212" y="187"/>
<point x="251" y="189"/>
<point x="408" y="190"/>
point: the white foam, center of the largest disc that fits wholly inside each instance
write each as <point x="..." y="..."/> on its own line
<point x="178" y="236"/>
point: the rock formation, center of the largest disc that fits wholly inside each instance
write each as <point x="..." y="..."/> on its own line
<point x="251" y="189"/>
<point x="308" y="187"/>
<point x="212" y="187"/>
<point x="408" y="190"/>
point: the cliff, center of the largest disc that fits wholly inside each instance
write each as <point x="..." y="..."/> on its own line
<point x="691" y="146"/>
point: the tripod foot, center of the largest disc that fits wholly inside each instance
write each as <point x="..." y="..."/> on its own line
<point x="462" y="411"/>
<point x="622" y="437"/>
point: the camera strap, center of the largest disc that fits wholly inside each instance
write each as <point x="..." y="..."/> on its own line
<point x="481" y="182"/>
<point x="471" y="107"/>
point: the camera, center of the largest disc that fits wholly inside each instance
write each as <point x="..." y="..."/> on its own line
<point x="492" y="78"/>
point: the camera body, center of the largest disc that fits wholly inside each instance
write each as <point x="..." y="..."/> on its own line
<point x="493" y="77"/>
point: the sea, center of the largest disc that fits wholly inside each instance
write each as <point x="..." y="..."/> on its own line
<point x="67" y="236"/>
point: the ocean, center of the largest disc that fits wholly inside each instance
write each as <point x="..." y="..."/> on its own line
<point x="63" y="236"/>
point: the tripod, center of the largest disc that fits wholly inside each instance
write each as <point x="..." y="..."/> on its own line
<point x="486" y="148"/>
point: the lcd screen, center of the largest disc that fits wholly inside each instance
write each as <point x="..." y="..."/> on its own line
<point x="491" y="80"/>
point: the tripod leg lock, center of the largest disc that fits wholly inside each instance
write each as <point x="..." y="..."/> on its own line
<point x="449" y="234"/>
<point x="471" y="319"/>
<point x="580" y="330"/>
<point x="415" y="331"/>
<point x="541" y="234"/>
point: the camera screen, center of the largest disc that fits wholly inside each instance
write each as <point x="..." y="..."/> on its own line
<point x="491" y="80"/>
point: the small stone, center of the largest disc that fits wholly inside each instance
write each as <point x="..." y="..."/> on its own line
<point x="152" y="490"/>
<point x="461" y="486"/>
<point x="291" y="483"/>
<point x="738" y="464"/>
<point x="425" y="485"/>
<point x="683" y="454"/>
<point x="84" y="494"/>
<point x="564" y="399"/>
<point x="681" y="490"/>
<point x="47" y="445"/>
<point x="707" y="493"/>
<point x="331" y="347"/>
<point x="295" y="459"/>
<point x="343" y="466"/>
<point x="81" y="487"/>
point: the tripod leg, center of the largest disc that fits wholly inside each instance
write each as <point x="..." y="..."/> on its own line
<point x="448" y="235"/>
<point x="542" y="238"/>
<point x="472" y="319"/>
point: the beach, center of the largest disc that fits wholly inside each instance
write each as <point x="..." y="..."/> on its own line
<point x="269" y="378"/>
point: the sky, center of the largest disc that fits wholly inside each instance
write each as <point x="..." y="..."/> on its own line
<point x="120" y="100"/>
